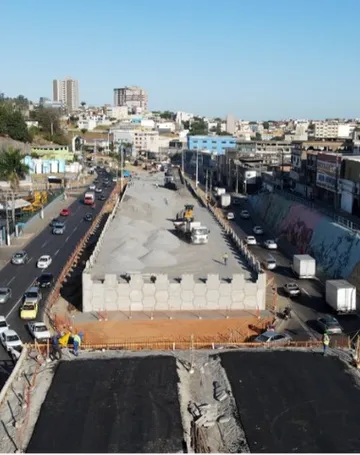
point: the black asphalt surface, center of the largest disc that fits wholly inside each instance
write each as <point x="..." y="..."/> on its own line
<point x="111" y="406"/>
<point x="294" y="402"/>
<point x="20" y="277"/>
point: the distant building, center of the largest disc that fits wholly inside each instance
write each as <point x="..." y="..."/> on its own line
<point x="333" y="130"/>
<point x="230" y="124"/>
<point x="134" y="98"/>
<point x="66" y="92"/>
<point x="214" y="144"/>
<point x="117" y="112"/>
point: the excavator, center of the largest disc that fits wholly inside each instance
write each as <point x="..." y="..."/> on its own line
<point x="187" y="214"/>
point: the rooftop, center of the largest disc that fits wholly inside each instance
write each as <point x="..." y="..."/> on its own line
<point x="141" y="237"/>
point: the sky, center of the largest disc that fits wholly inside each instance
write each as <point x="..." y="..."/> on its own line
<point x="258" y="59"/>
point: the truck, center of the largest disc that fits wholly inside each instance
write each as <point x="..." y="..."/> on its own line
<point x="187" y="214"/>
<point x="341" y="296"/>
<point x="225" y="200"/>
<point x="193" y="231"/>
<point x="219" y="191"/>
<point x="89" y="198"/>
<point x="304" y="266"/>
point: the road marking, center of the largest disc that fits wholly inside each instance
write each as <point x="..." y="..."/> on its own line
<point x="305" y="292"/>
<point x="17" y="303"/>
<point x="30" y="260"/>
<point x="75" y="228"/>
<point x="67" y="238"/>
<point x="10" y="281"/>
<point x="56" y="252"/>
<point x="44" y="244"/>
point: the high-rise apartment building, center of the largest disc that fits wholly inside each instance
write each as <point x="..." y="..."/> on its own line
<point x="67" y="92"/>
<point x="135" y="98"/>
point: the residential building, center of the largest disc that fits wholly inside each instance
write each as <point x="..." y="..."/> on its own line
<point x="230" y="124"/>
<point x="66" y="92"/>
<point x="142" y="140"/>
<point x="332" y="130"/>
<point x="133" y="97"/>
<point x="116" y="112"/>
<point x="88" y="123"/>
<point x="183" y="117"/>
<point x="166" y="127"/>
<point x="53" y="152"/>
<point x="277" y="148"/>
<point x="214" y="144"/>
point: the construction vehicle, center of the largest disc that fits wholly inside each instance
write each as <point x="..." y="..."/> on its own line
<point x="37" y="201"/>
<point x="187" y="214"/>
<point x="193" y="231"/>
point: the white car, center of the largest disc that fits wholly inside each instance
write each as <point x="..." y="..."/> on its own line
<point x="98" y="190"/>
<point x="251" y="240"/>
<point x="3" y="324"/>
<point x="270" y="244"/>
<point x="44" y="261"/>
<point x="230" y="216"/>
<point x="92" y="187"/>
<point x="38" y="330"/>
<point x="245" y="214"/>
<point x="258" y="230"/>
<point x="10" y="340"/>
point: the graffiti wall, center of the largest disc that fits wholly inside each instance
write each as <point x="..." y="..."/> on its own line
<point x="336" y="249"/>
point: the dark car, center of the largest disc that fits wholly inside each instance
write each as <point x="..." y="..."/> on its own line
<point x="88" y="217"/>
<point x="55" y="221"/>
<point x="45" y="280"/>
<point x="330" y="324"/>
<point x="102" y="198"/>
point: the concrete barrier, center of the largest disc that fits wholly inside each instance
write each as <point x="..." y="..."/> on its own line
<point x="13" y="375"/>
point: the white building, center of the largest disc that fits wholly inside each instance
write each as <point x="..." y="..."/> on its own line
<point x="87" y="124"/>
<point x="118" y="112"/>
<point x="230" y="124"/>
<point x="133" y="97"/>
<point x="66" y="92"/>
<point x="332" y="130"/>
<point x="140" y="139"/>
<point x="166" y="127"/>
<point x="183" y="117"/>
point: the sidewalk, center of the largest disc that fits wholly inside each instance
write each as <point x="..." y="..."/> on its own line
<point x="37" y="225"/>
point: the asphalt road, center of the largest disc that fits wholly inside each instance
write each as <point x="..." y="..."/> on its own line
<point x="20" y="277"/>
<point x="311" y="304"/>
<point x="127" y="405"/>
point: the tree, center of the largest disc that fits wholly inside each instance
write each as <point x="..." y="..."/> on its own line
<point x="266" y="125"/>
<point x="185" y="124"/>
<point x="49" y="120"/>
<point x="12" y="123"/>
<point x="198" y="127"/>
<point x="167" y="115"/>
<point x="83" y="131"/>
<point x="83" y="104"/>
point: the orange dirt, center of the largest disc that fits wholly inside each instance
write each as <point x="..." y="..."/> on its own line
<point x="215" y="330"/>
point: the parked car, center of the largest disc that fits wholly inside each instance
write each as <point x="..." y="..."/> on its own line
<point x="251" y="240"/>
<point x="273" y="337"/>
<point x="270" y="244"/>
<point x="44" y="261"/>
<point x="258" y="230"/>
<point x="5" y="294"/>
<point x="230" y="216"/>
<point x="20" y="258"/>
<point x="330" y="324"/>
<point x="38" y="330"/>
<point x="292" y="289"/>
<point x="3" y="324"/>
<point x="244" y="214"/>
<point x="65" y="212"/>
<point x="45" y="280"/>
<point x="10" y="340"/>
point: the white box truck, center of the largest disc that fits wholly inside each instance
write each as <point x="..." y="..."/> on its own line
<point x="219" y="191"/>
<point x="225" y="200"/>
<point x="304" y="266"/>
<point x="341" y="296"/>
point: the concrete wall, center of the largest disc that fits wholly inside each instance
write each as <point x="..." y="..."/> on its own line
<point x="336" y="248"/>
<point x="159" y="293"/>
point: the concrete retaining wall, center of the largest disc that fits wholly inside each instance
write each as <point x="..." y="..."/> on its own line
<point x="159" y="293"/>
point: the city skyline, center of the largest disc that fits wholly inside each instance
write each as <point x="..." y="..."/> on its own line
<point x="260" y="60"/>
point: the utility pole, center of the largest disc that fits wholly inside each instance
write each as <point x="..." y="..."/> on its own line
<point x="7" y="220"/>
<point x="336" y="182"/>
<point x="182" y="161"/>
<point x="206" y="183"/>
<point x="237" y="179"/>
<point x="197" y="169"/>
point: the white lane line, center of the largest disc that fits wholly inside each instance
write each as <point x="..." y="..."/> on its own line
<point x="305" y="292"/>
<point x="30" y="260"/>
<point x="19" y="301"/>
<point x="75" y="228"/>
<point x="56" y="252"/>
<point x="67" y="238"/>
<point x="10" y="281"/>
<point x="44" y="244"/>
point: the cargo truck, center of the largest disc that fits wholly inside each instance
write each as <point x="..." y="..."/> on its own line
<point x="341" y="296"/>
<point x="89" y="197"/>
<point x="225" y="200"/>
<point x="304" y="266"/>
<point x="193" y="231"/>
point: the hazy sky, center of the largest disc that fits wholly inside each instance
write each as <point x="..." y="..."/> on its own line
<point x="257" y="59"/>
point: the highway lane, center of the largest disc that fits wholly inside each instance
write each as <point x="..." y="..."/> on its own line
<point x="60" y="247"/>
<point x="311" y="304"/>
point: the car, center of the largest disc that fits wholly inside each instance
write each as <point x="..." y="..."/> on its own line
<point x="29" y="310"/>
<point x="44" y="261"/>
<point x="45" y="280"/>
<point x="54" y="222"/>
<point x="20" y="258"/>
<point x="273" y="337"/>
<point x="258" y="230"/>
<point x="230" y="216"/>
<point x="115" y="179"/>
<point x="92" y="187"/>
<point x="98" y="190"/>
<point x="270" y="244"/>
<point x="32" y="295"/>
<point x="58" y="228"/>
<point x="330" y="324"/>
<point x="38" y="330"/>
<point x="292" y="289"/>
<point x="269" y="263"/>
<point x="251" y="240"/>
<point x="65" y="212"/>
<point x="102" y="198"/>
<point x="10" y="340"/>
<point x="3" y="324"/>
<point x="236" y="201"/>
<point x="244" y="214"/>
<point x="88" y="217"/>
<point x="5" y="294"/>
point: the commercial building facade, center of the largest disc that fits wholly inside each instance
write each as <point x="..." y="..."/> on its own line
<point x="214" y="144"/>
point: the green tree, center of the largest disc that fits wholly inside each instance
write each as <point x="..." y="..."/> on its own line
<point x="186" y="124"/>
<point x="198" y="127"/>
<point x="266" y="125"/>
<point x="49" y="120"/>
<point x="168" y="115"/>
<point x="12" y="123"/>
<point x="83" y="104"/>
<point x="83" y="131"/>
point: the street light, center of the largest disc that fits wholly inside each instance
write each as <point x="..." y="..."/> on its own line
<point x="197" y="169"/>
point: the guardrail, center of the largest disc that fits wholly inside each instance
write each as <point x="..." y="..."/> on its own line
<point x="72" y="261"/>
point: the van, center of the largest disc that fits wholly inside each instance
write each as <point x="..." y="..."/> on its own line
<point x="270" y="263"/>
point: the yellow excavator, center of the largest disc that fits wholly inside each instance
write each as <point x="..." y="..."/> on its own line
<point x="187" y="214"/>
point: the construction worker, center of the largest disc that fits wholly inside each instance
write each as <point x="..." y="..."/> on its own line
<point x="77" y="343"/>
<point x="225" y="258"/>
<point x="325" y="342"/>
<point x="55" y="347"/>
